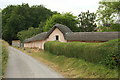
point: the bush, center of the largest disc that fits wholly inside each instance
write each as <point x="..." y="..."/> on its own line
<point x="115" y="27"/>
<point x="98" y="53"/>
<point x="110" y="28"/>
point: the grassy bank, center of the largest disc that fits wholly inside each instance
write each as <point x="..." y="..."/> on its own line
<point x="3" y="56"/>
<point x="97" y="53"/>
<point x="72" y="67"/>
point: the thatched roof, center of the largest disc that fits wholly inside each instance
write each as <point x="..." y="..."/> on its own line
<point x="41" y="36"/>
<point x="91" y="36"/>
<point x="64" y="29"/>
<point x="76" y="36"/>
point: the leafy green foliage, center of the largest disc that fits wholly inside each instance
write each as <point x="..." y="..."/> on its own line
<point x="40" y="14"/>
<point x="22" y="35"/>
<point x="66" y="19"/>
<point x="87" y="21"/>
<point x="115" y="27"/>
<point x="98" y="53"/>
<point x="108" y="12"/>
<point x="107" y="16"/>
<point x="104" y="29"/>
<point x="16" y="18"/>
<point x="111" y="28"/>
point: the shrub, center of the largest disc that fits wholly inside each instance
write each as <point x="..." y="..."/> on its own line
<point x="115" y="27"/>
<point x="98" y="53"/>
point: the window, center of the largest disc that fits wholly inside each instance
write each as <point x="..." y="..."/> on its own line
<point x="57" y="37"/>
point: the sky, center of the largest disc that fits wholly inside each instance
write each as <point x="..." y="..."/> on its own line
<point x="62" y="6"/>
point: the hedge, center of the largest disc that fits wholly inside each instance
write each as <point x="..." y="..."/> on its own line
<point x="3" y="56"/>
<point x="98" y="53"/>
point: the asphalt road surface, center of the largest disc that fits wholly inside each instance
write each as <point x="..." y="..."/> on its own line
<point x="20" y="65"/>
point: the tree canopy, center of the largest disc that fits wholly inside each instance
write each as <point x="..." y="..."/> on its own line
<point x="87" y="21"/>
<point x="23" y="21"/>
<point x="108" y="12"/>
<point x="108" y="15"/>
<point x="16" y="18"/>
<point x="66" y="19"/>
<point x="24" y="34"/>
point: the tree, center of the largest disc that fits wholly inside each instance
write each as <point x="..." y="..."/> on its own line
<point x="66" y="19"/>
<point x="108" y="12"/>
<point x="22" y="35"/>
<point x="16" y="18"/>
<point x="39" y="14"/>
<point x="6" y="14"/>
<point x="87" y="21"/>
<point x="108" y="16"/>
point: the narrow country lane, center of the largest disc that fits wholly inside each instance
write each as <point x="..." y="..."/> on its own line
<point x="20" y="65"/>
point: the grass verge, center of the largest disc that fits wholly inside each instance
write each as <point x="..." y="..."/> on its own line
<point x="72" y="67"/>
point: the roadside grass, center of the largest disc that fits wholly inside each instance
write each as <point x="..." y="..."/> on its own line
<point x="72" y="67"/>
<point x="3" y="57"/>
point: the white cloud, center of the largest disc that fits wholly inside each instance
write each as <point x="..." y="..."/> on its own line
<point x="74" y="6"/>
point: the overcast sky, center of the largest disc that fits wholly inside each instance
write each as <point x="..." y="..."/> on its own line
<point x="62" y="6"/>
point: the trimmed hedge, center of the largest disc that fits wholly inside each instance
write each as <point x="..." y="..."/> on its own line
<point x="98" y="53"/>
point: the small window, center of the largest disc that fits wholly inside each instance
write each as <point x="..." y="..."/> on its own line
<point x="57" y="37"/>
